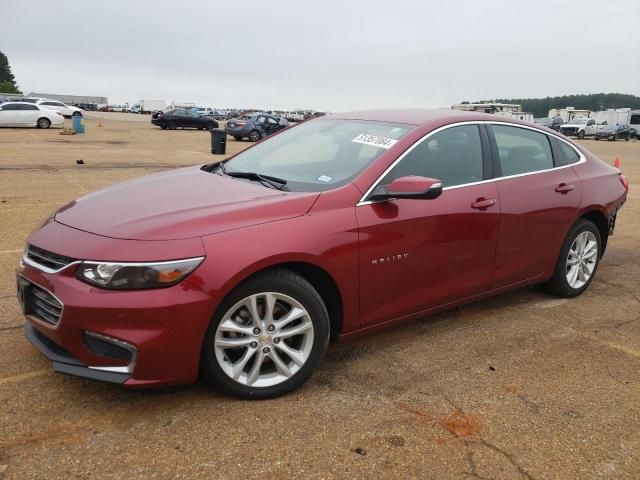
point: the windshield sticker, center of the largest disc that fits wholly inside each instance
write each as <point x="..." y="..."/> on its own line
<point x="325" y="178"/>
<point x="375" y="141"/>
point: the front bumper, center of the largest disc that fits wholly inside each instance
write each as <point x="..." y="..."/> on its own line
<point x="162" y="329"/>
<point x="64" y="362"/>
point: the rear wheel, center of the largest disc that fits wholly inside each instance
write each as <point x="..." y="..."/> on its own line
<point x="76" y="114"/>
<point x="172" y="125"/>
<point x="238" y="139"/>
<point x="43" y="123"/>
<point x="578" y="260"/>
<point x="254" y="136"/>
<point x="210" y="126"/>
<point x="267" y="337"/>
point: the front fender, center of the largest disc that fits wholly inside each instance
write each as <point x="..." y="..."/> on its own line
<point x="327" y="240"/>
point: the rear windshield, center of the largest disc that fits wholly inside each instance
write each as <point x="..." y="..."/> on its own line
<point x="320" y="154"/>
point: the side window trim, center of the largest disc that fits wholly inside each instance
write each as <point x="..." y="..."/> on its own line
<point x="494" y="156"/>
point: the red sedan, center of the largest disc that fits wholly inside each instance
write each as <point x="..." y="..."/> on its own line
<point x="243" y="271"/>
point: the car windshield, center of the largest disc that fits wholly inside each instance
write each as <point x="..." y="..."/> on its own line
<point x="579" y="121"/>
<point x="321" y="154"/>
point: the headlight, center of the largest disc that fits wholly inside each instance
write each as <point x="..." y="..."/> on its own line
<point x="136" y="276"/>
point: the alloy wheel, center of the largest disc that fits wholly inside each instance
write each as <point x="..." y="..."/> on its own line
<point x="582" y="259"/>
<point x="264" y="339"/>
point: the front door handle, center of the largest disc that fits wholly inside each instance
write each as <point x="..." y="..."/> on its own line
<point x="483" y="203"/>
<point x="565" y="188"/>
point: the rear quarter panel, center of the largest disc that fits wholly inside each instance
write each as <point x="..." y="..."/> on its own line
<point x="601" y="186"/>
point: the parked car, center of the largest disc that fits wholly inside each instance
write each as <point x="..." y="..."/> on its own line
<point x="255" y="127"/>
<point x="242" y="271"/>
<point x="553" y="123"/>
<point x="66" y="110"/>
<point x="579" y="127"/>
<point x="614" y="132"/>
<point x="184" y="118"/>
<point x="26" y="114"/>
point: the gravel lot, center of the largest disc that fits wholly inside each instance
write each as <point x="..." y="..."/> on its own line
<point x="523" y="385"/>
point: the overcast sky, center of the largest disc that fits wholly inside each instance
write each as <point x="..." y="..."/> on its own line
<point x="328" y="55"/>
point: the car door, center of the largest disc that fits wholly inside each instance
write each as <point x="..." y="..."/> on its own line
<point x="539" y="197"/>
<point x="10" y="115"/>
<point x="181" y="117"/>
<point x="590" y="128"/>
<point x="29" y="114"/>
<point x="418" y="254"/>
<point x="271" y="125"/>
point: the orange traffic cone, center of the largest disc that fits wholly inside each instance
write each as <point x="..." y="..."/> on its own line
<point x="616" y="162"/>
<point x="99" y="122"/>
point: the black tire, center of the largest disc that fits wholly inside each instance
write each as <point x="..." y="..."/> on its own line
<point x="238" y="139"/>
<point x="211" y="125"/>
<point x="43" y="123"/>
<point x="76" y="114"/>
<point x="596" y="139"/>
<point x="172" y="125"/>
<point x="254" y="136"/>
<point x="163" y="127"/>
<point x="280" y="281"/>
<point x="580" y="135"/>
<point x="626" y="139"/>
<point x="559" y="285"/>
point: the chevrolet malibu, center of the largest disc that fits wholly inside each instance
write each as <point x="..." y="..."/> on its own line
<point x="243" y="271"/>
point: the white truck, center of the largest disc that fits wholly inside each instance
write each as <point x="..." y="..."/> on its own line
<point x="148" y="106"/>
<point x="579" y="127"/>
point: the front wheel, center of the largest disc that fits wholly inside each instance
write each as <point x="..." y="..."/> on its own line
<point x="578" y="260"/>
<point x="172" y="125"/>
<point x="210" y="126"/>
<point x="43" y="123"/>
<point x="267" y="337"/>
<point x="580" y="135"/>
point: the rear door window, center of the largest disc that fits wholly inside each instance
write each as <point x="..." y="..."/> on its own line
<point x="567" y="154"/>
<point x="521" y="150"/>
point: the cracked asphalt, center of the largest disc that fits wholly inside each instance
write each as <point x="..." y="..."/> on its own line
<point x="520" y="386"/>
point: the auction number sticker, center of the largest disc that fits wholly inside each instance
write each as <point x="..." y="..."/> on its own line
<point x="375" y="141"/>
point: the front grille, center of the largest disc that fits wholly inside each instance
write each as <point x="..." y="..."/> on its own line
<point x="106" y="348"/>
<point x="38" y="302"/>
<point x="568" y="131"/>
<point x="49" y="260"/>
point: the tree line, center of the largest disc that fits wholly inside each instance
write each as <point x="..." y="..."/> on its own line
<point x="595" y="101"/>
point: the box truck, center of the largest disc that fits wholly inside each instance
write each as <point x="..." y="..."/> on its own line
<point x="148" y="106"/>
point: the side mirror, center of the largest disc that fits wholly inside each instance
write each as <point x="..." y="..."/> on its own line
<point x="410" y="187"/>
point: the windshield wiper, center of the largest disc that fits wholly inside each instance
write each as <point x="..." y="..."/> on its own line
<point x="274" y="182"/>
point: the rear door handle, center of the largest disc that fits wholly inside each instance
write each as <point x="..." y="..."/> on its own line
<point x="483" y="203"/>
<point x="565" y="188"/>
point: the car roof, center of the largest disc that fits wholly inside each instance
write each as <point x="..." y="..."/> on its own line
<point x="18" y="103"/>
<point x="415" y="116"/>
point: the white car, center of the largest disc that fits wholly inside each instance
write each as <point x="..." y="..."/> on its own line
<point x="66" y="110"/>
<point x="25" y="114"/>
<point x="579" y="127"/>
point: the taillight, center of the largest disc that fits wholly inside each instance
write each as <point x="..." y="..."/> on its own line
<point x="624" y="181"/>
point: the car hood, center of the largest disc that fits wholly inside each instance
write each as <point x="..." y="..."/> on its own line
<point x="572" y="125"/>
<point x="179" y="204"/>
